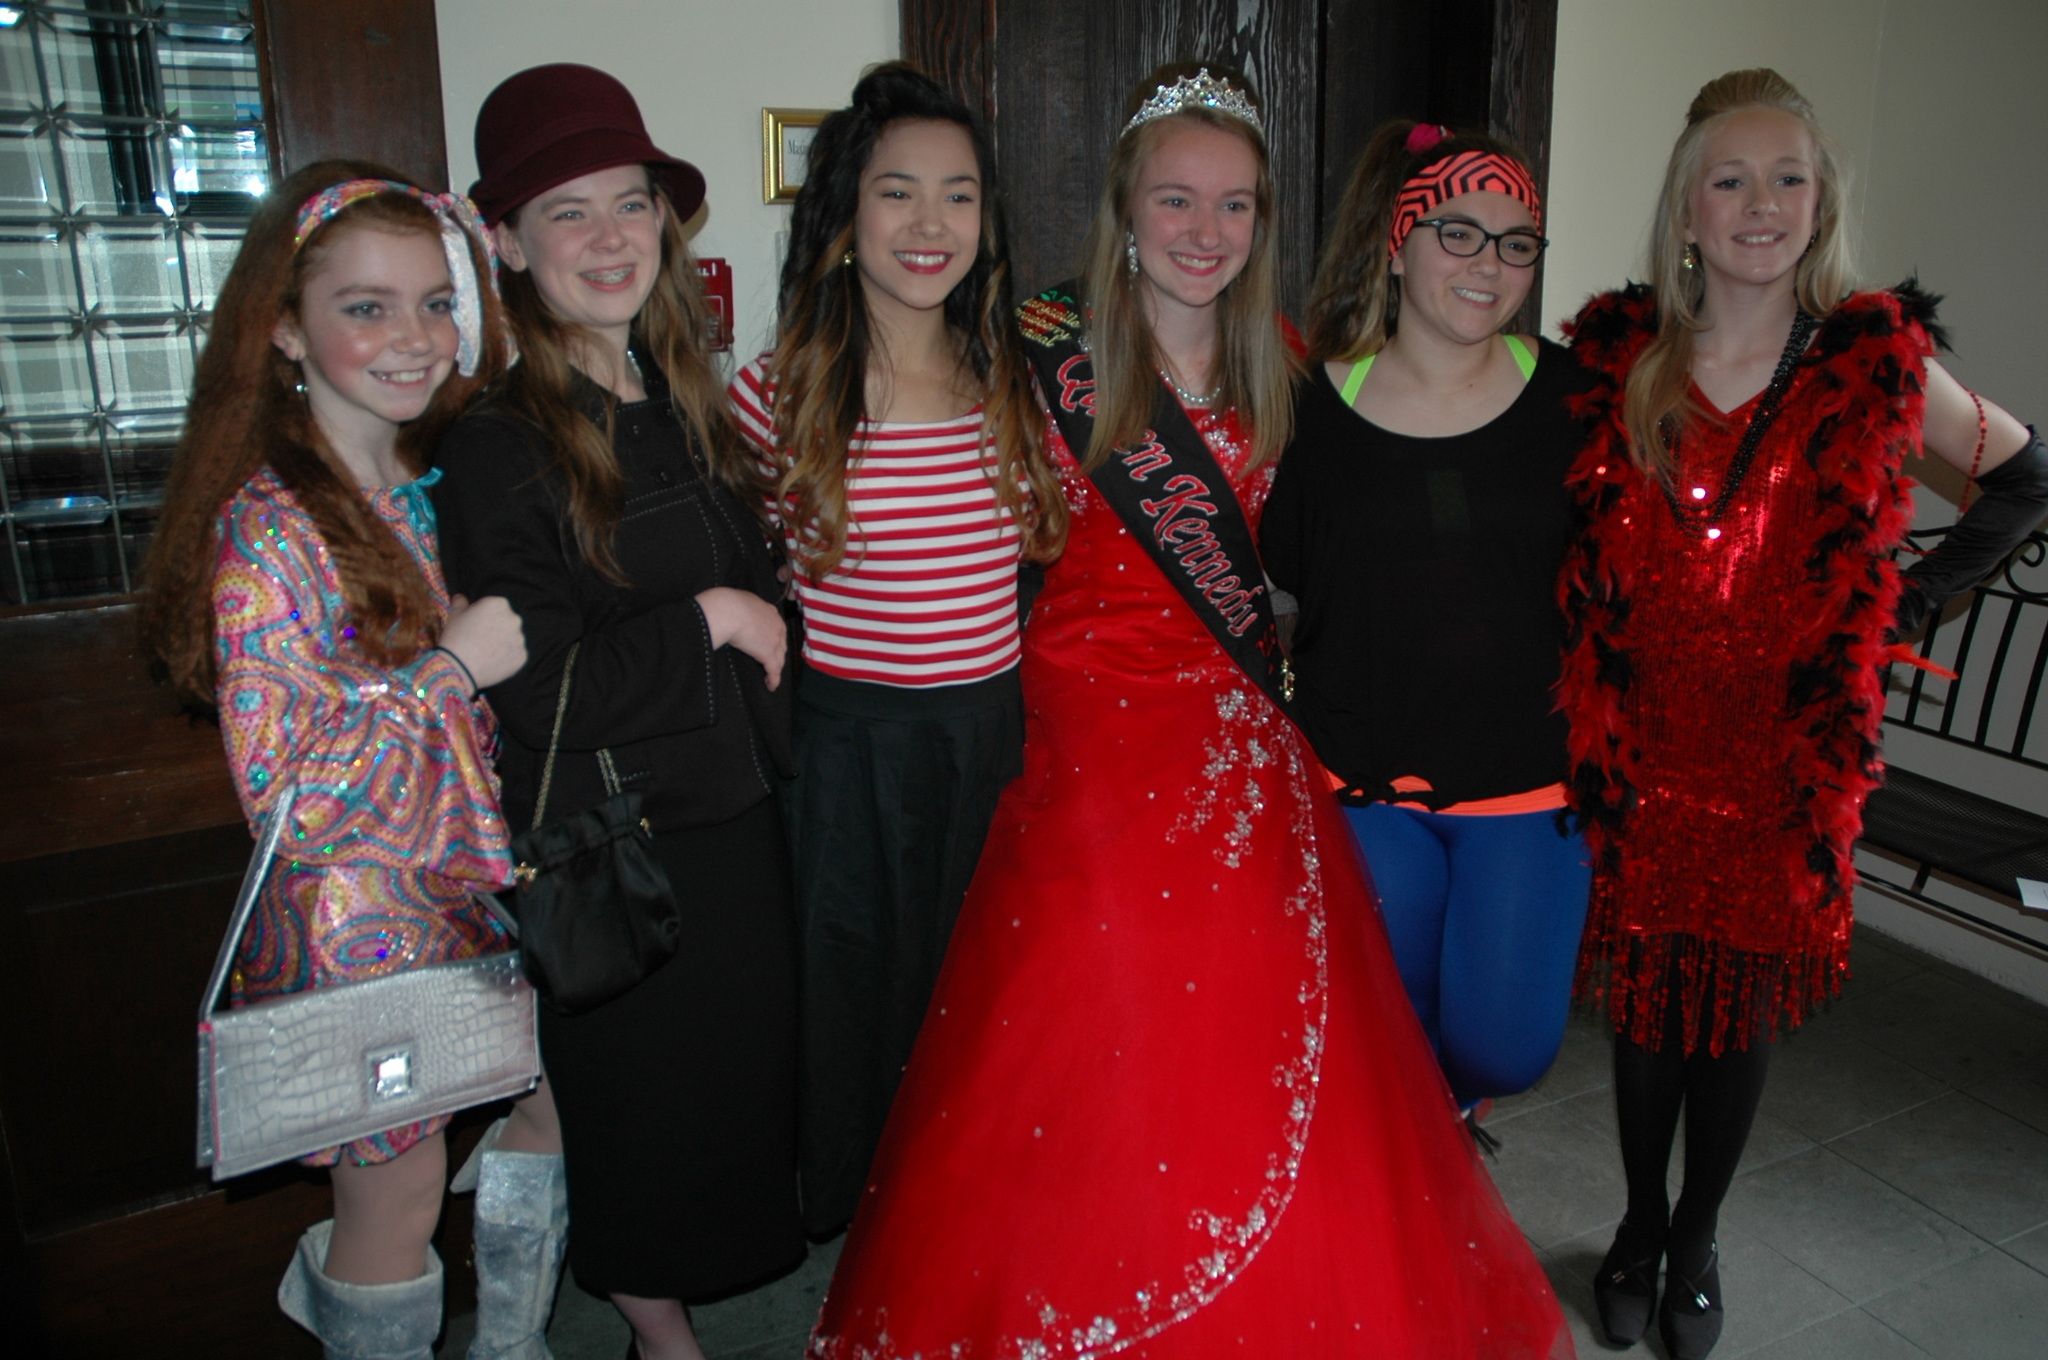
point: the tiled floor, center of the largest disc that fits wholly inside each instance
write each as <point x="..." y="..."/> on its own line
<point x="1893" y="1202"/>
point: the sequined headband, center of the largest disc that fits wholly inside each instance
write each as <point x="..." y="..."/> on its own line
<point x="1468" y="172"/>
<point x="458" y="216"/>
<point x="1200" y="90"/>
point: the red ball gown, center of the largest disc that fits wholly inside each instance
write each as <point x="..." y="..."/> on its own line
<point x="1170" y="1099"/>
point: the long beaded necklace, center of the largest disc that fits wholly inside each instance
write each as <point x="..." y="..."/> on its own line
<point x="1700" y="521"/>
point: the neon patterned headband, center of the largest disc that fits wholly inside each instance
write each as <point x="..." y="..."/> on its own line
<point x="458" y="216"/>
<point x="1468" y="172"/>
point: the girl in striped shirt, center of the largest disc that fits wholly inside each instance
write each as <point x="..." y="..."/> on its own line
<point x="899" y="425"/>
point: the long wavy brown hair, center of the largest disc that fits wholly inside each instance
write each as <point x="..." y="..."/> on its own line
<point x="1258" y="367"/>
<point x="672" y="333"/>
<point x="1354" y="307"/>
<point x="823" y="346"/>
<point x="245" y="414"/>
<point x="1658" y="397"/>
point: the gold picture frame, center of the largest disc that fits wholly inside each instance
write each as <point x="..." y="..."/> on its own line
<point x="785" y="149"/>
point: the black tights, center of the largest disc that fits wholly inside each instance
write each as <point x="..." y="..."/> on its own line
<point x="1720" y="1096"/>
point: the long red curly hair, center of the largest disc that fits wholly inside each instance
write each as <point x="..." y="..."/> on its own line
<point x="245" y="414"/>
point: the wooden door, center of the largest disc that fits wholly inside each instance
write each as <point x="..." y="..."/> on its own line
<point x="1052" y="76"/>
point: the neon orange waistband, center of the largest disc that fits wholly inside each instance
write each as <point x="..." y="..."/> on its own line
<point x="1549" y="798"/>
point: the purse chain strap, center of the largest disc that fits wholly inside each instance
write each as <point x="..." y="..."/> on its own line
<point x="547" y="769"/>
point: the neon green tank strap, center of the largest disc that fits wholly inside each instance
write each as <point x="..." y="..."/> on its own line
<point x="1524" y="359"/>
<point x="1355" y="379"/>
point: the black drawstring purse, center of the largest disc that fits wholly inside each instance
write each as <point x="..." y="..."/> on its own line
<point x="596" y="914"/>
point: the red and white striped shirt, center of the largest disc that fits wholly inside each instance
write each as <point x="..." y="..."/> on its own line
<point x="926" y="594"/>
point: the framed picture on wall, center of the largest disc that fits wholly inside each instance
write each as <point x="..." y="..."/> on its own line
<point x="785" y="148"/>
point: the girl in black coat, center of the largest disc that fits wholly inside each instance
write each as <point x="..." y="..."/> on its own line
<point x="602" y="491"/>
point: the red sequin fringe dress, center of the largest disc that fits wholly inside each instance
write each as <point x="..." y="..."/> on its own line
<point x="1723" y="679"/>
<point x="1170" y="1100"/>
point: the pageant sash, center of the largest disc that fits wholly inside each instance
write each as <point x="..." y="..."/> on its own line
<point x="1170" y="492"/>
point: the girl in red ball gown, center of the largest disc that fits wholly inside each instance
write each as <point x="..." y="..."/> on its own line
<point x="1170" y="1099"/>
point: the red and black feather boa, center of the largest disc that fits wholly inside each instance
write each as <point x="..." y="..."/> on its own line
<point x="1863" y="401"/>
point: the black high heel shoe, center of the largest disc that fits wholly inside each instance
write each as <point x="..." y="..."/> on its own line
<point x="1625" y="1290"/>
<point x="1691" y="1317"/>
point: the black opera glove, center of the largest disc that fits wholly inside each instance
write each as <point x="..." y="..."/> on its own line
<point x="2014" y="500"/>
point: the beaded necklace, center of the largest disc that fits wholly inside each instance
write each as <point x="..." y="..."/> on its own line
<point x="1761" y="419"/>
<point x="1190" y="398"/>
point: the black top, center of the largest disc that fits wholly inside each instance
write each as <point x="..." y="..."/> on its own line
<point x="693" y="728"/>
<point x="1426" y="569"/>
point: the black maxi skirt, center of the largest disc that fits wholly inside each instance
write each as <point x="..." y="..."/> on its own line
<point x="678" y="1099"/>
<point x="894" y="794"/>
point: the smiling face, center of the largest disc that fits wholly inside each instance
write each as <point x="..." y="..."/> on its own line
<point x="1465" y="299"/>
<point x="593" y="247"/>
<point x="1194" y="215"/>
<point x="918" y="225"/>
<point x="374" y="334"/>
<point x="1756" y="199"/>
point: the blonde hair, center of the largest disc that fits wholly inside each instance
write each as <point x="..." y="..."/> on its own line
<point x="1658" y="394"/>
<point x="1257" y="366"/>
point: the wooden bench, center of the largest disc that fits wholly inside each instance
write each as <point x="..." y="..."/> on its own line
<point x="1989" y="831"/>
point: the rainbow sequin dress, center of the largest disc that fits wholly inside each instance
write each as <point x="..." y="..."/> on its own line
<point x="396" y="823"/>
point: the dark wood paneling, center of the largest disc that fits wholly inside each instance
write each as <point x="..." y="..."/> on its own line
<point x="199" y="1278"/>
<point x="96" y="752"/>
<point x="360" y="78"/>
<point x="99" y="992"/>
<point x="953" y="42"/>
<point x="1375" y="67"/>
<point x="1524" y="74"/>
<point x="1056" y="74"/>
<point x="1062" y="72"/>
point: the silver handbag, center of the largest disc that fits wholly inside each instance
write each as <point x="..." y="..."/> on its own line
<point x="292" y="1074"/>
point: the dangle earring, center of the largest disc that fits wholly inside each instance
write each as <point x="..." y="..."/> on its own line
<point x="1691" y="258"/>
<point x="1131" y="253"/>
<point x="846" y="260"/>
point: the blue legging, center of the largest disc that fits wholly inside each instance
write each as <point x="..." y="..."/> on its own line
<point x="1484" y="914"/>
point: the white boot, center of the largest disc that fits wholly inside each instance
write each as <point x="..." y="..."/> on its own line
<point x="361" y="1321"/>
<point x="522" y="1233"/>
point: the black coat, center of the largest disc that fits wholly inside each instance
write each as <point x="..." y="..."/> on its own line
<point x="694" y="729"/>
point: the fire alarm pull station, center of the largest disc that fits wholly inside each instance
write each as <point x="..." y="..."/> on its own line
<point x="716" y="277"/>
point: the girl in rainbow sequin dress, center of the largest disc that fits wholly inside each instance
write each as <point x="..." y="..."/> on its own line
<point x="293" y="584"/>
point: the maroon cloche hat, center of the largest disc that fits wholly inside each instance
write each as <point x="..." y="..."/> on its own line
<point x="549" y="124"/>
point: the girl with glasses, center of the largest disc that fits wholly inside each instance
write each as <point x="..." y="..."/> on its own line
<point x="1419" y="518"/>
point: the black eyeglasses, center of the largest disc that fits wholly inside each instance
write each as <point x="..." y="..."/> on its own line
<point x="1518" y="246"/>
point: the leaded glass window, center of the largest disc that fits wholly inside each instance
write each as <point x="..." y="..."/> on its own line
<point x="132" y="151"/>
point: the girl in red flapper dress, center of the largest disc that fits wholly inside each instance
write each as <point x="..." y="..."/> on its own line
<point x="1731" y="601"/>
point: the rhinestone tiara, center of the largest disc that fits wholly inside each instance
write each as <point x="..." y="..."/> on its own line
<point x="1198" y="90"/>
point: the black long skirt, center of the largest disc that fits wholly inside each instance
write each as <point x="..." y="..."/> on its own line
<point x="894" y="794"/>
<point x="678" y="1099"/>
